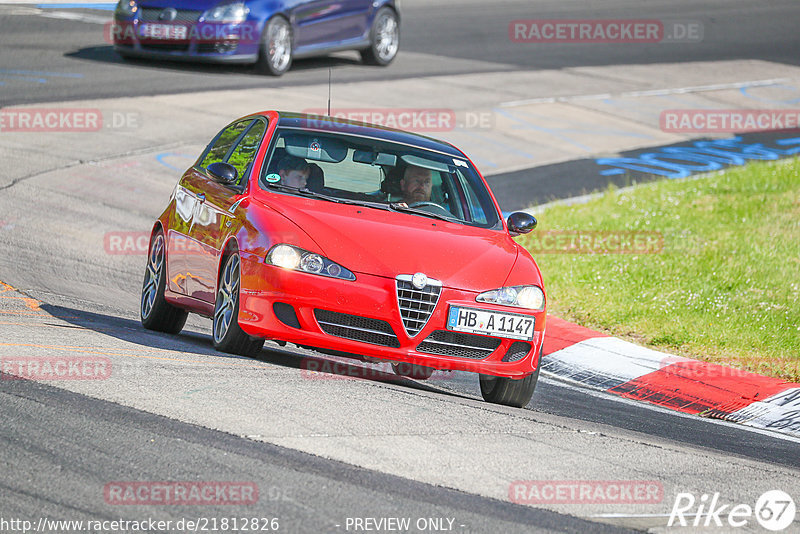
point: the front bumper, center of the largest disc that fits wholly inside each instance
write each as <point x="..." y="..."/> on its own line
<point x="314" y="300"/>
<point x="204" y="42"/>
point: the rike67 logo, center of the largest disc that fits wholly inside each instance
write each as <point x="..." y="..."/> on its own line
<point x="774" y="510"/>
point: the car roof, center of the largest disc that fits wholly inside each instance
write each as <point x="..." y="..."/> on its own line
<point x="348" y="127"/>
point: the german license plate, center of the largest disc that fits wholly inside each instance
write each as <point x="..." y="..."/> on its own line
<point x="171" y="32"/>
<point x="490" y="323"/>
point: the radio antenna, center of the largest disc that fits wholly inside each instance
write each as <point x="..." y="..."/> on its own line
<point x="329" y="91"/>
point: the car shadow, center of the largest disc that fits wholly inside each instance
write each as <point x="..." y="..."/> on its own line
<point x="106" y="54"/>
<point x="313" y="365"/>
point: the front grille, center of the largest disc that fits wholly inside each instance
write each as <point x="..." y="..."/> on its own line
<point x="150" y="14"/>
<point x="416" y="305"/>
<point x="517" y="351"/>
<point x="460" y="345"/>
<point x="357" y="328"/>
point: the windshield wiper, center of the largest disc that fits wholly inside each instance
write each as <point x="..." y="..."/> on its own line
<point x="314" y="194"/>
<point x="400" y="206"/>
<point x="304" y="192"/>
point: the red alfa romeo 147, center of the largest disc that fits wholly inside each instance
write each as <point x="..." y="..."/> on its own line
<point x="349" y="238"/>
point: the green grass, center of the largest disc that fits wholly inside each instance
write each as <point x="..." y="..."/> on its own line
<point x="724" y="288"/>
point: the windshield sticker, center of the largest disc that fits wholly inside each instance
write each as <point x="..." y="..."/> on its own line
<point x="460" y="163"/>
<point x="314" y="146"/>
<point x="273" y="177"/>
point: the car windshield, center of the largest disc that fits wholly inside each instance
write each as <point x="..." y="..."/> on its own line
<point x="379" y="174"/>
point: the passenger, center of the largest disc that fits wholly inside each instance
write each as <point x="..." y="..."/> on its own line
<point x="294" y="171"/>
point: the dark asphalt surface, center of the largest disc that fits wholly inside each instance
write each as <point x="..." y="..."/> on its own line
<point x="551" y="396"/>
<point x="532" y="187"/>
<point x="60" y="449"/>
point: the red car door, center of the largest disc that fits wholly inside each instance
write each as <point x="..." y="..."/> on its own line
<point x="210" y="227"/>
<point x="216" y="207"/>
<point x="177" y="235"/>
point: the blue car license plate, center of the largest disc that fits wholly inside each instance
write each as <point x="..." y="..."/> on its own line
<point x="170" y="32"/>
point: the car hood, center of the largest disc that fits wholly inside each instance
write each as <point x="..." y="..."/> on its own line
<point x="386" y="243"/>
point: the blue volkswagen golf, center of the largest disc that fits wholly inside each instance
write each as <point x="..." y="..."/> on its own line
<point x="268" y="33"/>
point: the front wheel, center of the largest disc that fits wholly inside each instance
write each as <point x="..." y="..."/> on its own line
<point x="228" y="335"/>
<point x="275" y="55"/>
<point x="384" y="38"/>
<point x="508" y="391"/>
<point x="154" y="310"/>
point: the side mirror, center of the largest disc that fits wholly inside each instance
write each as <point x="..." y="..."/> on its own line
<point x="223" y="173"/>
<point x="521" y="223"/>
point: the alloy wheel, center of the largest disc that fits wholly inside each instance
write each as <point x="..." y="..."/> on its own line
<point x="226" y="298"/>
<point x="153" y="273"/>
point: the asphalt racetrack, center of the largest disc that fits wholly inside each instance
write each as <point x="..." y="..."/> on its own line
<point x="327" y="452"/>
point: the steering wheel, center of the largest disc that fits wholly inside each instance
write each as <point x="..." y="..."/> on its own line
<point x="427" y="204"/>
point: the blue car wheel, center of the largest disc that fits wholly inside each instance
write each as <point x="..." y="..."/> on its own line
<point x="275" y="54"/>
<point x="384" y="38"/>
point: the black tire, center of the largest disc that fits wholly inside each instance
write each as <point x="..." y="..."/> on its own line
<point x="275" y="52"/>
<point x="154" y="311"/>
<point x="384" y="38"/>
<point x="227" y="334"/>
<point x="410" y="370"/>
<point x="508" y="391"/>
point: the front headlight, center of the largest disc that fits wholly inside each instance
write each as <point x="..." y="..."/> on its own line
<point x="127" y="8"/>
<point x="297" y="259"/>
<point x="235" y="12"/>
<point x="530" y="297"/>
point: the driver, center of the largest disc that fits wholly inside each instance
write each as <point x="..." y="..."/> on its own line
<point x="416" y="185"/>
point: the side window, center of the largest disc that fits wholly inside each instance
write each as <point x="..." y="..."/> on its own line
<point x="450" y="198"/>
<point x="476" y="213"/>
<point x="437" y="191"/>
<point x="244" y="153"/>
<point x="224" y="141"/>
